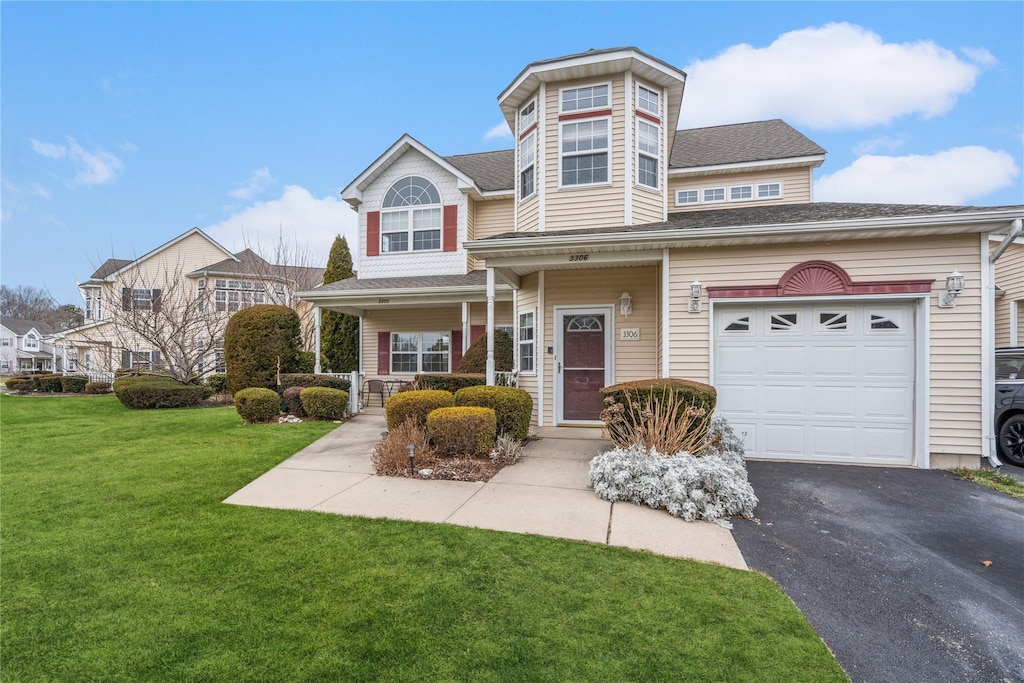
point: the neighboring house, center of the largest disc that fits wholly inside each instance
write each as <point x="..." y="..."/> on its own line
<point x="25" y="346"/>
<point x="1010" y="295"/>
<point x="136" y="309"/>
<point x="616" y="248"/>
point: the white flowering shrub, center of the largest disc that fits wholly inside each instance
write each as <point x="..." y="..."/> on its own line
<point x="708" y="486"/>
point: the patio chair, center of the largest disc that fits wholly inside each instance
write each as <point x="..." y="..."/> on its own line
<point x="373" y="386"/>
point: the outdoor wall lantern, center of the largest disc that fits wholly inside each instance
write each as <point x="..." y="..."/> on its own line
<point x="954" y="286"/>
<point x="626" y="304"/>
<point x="695" y="292"/>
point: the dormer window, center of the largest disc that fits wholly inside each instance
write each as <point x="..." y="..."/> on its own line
<point x="527" y="116"/>
<point x="582" y="99"/>
<point x="411" y="215"/>
<point x="31" y="341"/>
<point x="647" y="100"/>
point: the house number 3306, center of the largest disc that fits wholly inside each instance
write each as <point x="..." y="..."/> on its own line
<point x="578" y="257"/>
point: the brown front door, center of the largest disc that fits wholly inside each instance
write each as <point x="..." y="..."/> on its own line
<point x="583" y="365"/>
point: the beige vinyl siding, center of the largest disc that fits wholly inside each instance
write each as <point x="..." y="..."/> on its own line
<point x="529" y="214"/>
<point x="528" y="299"/>
<point x="1010" y="278"/>
<point x="494" y="218"/>
<point x="955" y="333"/>
<point x="471" y="263"/>
<point x="796" y="188"/>
<point x="603" y="286"/>
<point x="602" y="205"/>
<point x="648" y="204"/>
<point x="439" y="319"/>
<point x="192" y="253"/>
<point x="502" y="313"/>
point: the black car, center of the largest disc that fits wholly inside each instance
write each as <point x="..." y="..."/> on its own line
<point x="1010" y="404"/>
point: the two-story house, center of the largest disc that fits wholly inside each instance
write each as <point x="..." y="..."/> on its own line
<point x="167" y="308"/>
<point x="615" y="247"/>
<point x="25" y="346"/>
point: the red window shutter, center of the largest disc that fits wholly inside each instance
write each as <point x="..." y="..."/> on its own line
<point x="383" y="353"/>
<point x="450" y="234"/>
<point x="373" y="233"/>
<point x="456" y="349"/>
<point x="475" y="332"/>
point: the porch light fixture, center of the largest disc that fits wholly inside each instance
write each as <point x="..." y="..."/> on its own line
<point x="954" y="286"/>
<point x="626" y="304"/>
<point x="695" y="293"/>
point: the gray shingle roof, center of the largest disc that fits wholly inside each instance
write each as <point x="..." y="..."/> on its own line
<point x="738" y="143"/>
<point x="110" y="266"/>
<point x="491" y="171"/>
<point x="773" y="215"/>
<point x="475" y="278"/>
<point x="251" y="263"/>
<point x="20" y="326"/>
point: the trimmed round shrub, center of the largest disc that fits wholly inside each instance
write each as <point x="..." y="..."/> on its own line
<point x="218" y="382"/>
<point x="256" y="340"/>
<point x="464" y="430"/>
<point x="293" y="402"/>
<point x="308" y="379"/>
<point x="513" y="407"/>
<point x="475" y="358"/>
<point x="449" y="382"/>
<point x="73" y="384"/>
<point x="18" y="384"/>
<point x="415" y="405"/>
<point x="97" y="388"/>
<point x="47" y="383"/>
<point x="324" y="403"/>
<point x="257" y="404"/>
<point x="157" y="391"/>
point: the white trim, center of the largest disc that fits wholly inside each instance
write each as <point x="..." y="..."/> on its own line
<point x="636" y="100"/>
<point x="558" y="312"/>
<point x="922" y="379"/>
<point x="542" y="167"/>
<point x="580" y="86"/>
<point x="988" y="351"/>
<point x="686" y="189"/>
<point x="759" y="184"/>
<point x="666" y="291"/>
<point x="630" y="97"/>
<point x="666" y="153"/>
<point x="419" y="351"/>
<point x="1015" y="314"/>
<point x="194" y="231"/>
<point x="637" y="122"/>
<point x="353" y="192"/>
<point x="793" y="161"/>
<point x="542" y="350"/>
<point x="754" y="186"/>
<point x="519" y="169"/>
<point x="702" y="195"/>
<point x="519" y="119"/>
<point x="561" y="154"/>
<point x="466" y="328"/>
<point x="536" y="341"/>
<point x="409" y="229"/>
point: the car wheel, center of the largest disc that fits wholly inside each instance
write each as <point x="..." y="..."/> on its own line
<point x="1011" y="440"/>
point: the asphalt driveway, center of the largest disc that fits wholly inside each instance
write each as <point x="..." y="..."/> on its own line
<point x="887" y="565"/>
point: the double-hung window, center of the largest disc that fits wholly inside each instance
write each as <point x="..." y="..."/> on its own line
<point x="585" y="152"/>
<point x="527" y="165"/>
<point x="142" y="299"/>
<point x="414" y="352"/>
<point x="410" y="217"/>
<point x="647" y="138"/>
<point x="527" y="342"/>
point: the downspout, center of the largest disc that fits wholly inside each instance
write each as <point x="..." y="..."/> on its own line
<point x="1016" y="228"/>
<point x="316" y="339"/>
<point x="988" y="355"/>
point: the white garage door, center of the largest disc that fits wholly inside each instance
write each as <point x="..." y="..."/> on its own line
<point x="821" y="382"/>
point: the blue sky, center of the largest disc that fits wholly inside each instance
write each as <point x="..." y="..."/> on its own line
<point x="124" y="124"/>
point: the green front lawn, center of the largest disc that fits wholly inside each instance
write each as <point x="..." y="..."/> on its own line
<point x="119" y="562"/>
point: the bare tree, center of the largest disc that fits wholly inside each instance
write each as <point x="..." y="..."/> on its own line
<point x="34" y="303"/>
<point x="163" y="320"/>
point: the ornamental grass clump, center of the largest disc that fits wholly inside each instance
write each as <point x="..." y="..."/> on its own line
<point x="391" y="455"/>
<point x="709" y="485"/>
<point x="667" y="415"/>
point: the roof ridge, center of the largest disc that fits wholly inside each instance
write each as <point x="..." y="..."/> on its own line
<point x="738" y="123"/>
<point x="471" y="154"/>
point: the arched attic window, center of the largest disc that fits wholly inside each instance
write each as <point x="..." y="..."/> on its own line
<point x="411" y="215"/>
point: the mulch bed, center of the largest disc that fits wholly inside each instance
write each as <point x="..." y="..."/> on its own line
<point x="464" y="469"/>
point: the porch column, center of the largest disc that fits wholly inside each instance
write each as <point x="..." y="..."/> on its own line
<point x="53" y="359"/>
<point x="490" y="327"/>
<point x="65" y="361"/>
<point x="466" y="330"/>
<point x="316" y="339"/>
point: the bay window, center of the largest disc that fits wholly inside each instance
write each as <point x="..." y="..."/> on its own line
<point x="647" y="100"/>
<point x="584" y="152"/>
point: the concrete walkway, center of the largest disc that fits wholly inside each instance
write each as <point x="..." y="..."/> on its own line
<point x="546" y="494"/>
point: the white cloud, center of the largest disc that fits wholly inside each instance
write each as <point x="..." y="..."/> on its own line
<point x="980" y="56"/>
<point x="885" y="143"/>
<point x="41" y="190"/>
<point x="838" y="76"/>
<point x="499" y="131"/>
<point x="48" y="149"/>
<point x="953" y="176"/>
<point x="258" y="181"/>
<point x="128" y="146"/>
<point x="98" y="167"/>
<point x="298" y="216"/>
